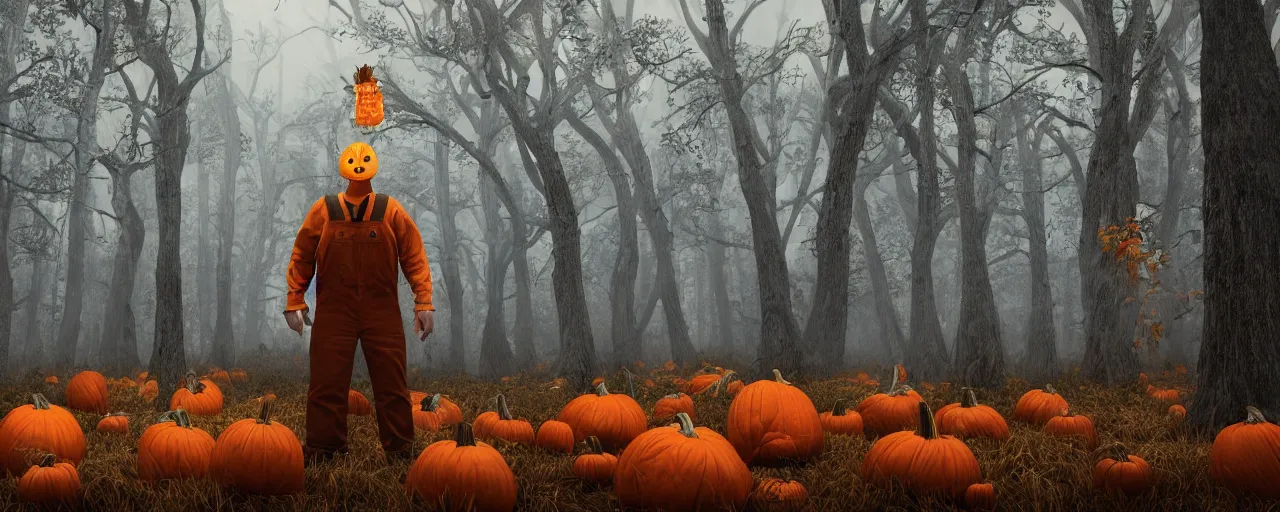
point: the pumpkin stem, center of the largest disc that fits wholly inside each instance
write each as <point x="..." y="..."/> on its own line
<point x="429" y="403"/>
<point x="503" y="412"/>
<point x="193" y="384"/>
<point x="1254" y="416"/>
<point x="839" y="408"/>
<point x="178" y="416"/>
<point x="463" y="435"/>
<point x="967" y="398"/>
<point x="777" y="377"/>
<point x="593" y="445"/>
<point x="631" y="385"/>
<point x="38" y="401"/>
<point x="1068" y="412"/>
<point x="264" y="416"/>
<point x="686" y="425"/>
<point x="602" y="390"/>
<point x="1048" y="388"/>
<point x="674" y="395"/>
<point x="893" y="384"/>
<point x="928" y="427"/>
<point x="722" y="384"/>
<point x="900" y="390"/>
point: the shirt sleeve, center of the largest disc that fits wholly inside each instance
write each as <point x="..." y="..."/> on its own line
<point x="302" y="264"/>
<point x="413" y="256"/>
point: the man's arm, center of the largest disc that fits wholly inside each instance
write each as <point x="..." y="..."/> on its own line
<point x="302" y="265"/>
<point x="413" y="257"/>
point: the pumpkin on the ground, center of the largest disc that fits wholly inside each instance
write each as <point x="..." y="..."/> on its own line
<point x="239" y="376"/>
<point x="49" y="482"/>
<point x="702" y="382"/>
<point x="709" y="473"/>
<point x="39" y="427"/>
<point x="148" y="391"/>
<point x="667" y="407"/>
<point x="614" y="419"/>
<point x="173" y="449"/>
<point x="1168" y="396"/>
<point x="556" y="436"/>
<point x="892" y="411"/>
<point x="220" y="377"/>
<point x="87" y="392"/>
<point x="504" y="426"/>
<point x="258" y="456"/>
<point x="777" y="495"/>
<point x="968" y="418"/>
<point x="1122" y="472"/>
<point x="450" y="414"/>
<point x="428" y="414"/>
<point x="1039" y="406"/>
<point x="1070" y="424"/>
<point x="199" y="397"/>
<point x="114" y="424"/>
<point x="841" y="421"/>
<point x="923" y="462"/>
<point x="358" y="404"/>
<point x="980" y="497"/>
<point x="596" y="466"/>
<point x="1245" y="456"/>
<point x="1177" y="413"/>
<point x="772" y="423"/>
<point x="463" y="474"/>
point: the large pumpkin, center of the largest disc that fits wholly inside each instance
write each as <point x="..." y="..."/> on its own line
<point x="1038" y="407"/>
<point x="87" y="392"/>
<point x="501" y="424"/>
<point x="968" y="418"/>
<point x="681" y="468"/>
<point x="463" y="475"/>
<point x="667" y="407"/>
<point x="39" y="427"/>
<point x="1122" y="472"/>
<point x="613" y="418"/>
<point x="772" y="423"/>
<point x="841" y="421"/>
<point x="596" y="466"/>
<point x="172" y="449"/>
<point x="923" y="462"/>
<point x="258" y="456"/>
<point x="450" y="414"/>
<point x="1070" y="424"/>
<point x="892" y="411"/>
<point x="1245" y="456"/>
<point x="556" y="436"/>
<point x="197" y="397"/>
<point x="49" y="482"/>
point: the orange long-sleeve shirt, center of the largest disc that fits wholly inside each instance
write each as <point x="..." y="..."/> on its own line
<point x="412" y="255"/>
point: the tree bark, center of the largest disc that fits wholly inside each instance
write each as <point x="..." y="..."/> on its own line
<point x="1041" y="364"/>
<point x="717" y="263"/>
<point x="223" y="349"/>
<point x="449" y="247"/>
<point x="886" y="316"/>
<point x="496" y="358"/>
<point x="1240" y="88"/>
<point x="12" y="36"/>
<point x="205" y="268"/>
<point x="120" y="353"/>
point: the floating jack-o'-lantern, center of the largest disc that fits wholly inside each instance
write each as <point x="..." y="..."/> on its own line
<point x="368" y="98"/>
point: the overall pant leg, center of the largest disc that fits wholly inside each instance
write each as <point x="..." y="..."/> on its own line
<point x="384" y="352"/>
<point x="333" y="351"/>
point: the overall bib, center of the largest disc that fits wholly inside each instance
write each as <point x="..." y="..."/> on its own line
<point x="356" y="299"/>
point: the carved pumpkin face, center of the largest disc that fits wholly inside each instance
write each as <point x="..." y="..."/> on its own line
<point x="358" y="162"/>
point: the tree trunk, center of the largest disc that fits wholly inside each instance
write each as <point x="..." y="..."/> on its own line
<point x="33" y="349"/>
<point x="890" y="331"/>
<point x="723" y="331"/>
<point x="449" y="258"/>
<point x="1041" y="364"/>
<point x="525" y="326"/>
<point x="223" y="349"/>
<point x="496" y="359"/>
<point x="1240" y="90"/>
<point x="121" y="355"/>
<point x="204" y="253"/>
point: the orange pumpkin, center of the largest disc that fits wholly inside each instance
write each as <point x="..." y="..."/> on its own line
<point x="923" y="462"/>
<point x="39" y="427"/>
<point x="667" y="406"/>
<point x="1177" y="413"/>
<point x="861" y="377"/>
<point x="701" y="383"/>
<point x="357" y="404"/>
<point x="87" y="392"/>
<point x="840" y="421"/>
<point x="51" y="380"/>
<point x="970" y="419"/>
<point x="614" y="419"/>
<point x="871" y="383"/>
<point x="219" y="377"/>
<point x="172" y="449"/>
<point x="900" y="374"/>
<point x="114" y="424"/>
<point x="368" y="93"/>
<point x="893" y="411"/>
<point x="450" y="414"/>
<point x="198" y="397"/>
<point x="149" y="391"/>
<point x="428" y="414"/>
<point x="463" y="474"/>
<point x="1069" y="424"/>
<point x="1245" y="456"/>
<point x="49" y="482"/>
<point x="711" y="476"/>
<point x="1168" y="396"/>
<point x="239" y="376"/>
<point x="772" y="423"/>
<point x="126" y="383"/>
<point x="1038" y="407"/>
<point x="596" y="466"/>
<point x="1122" y="472"/>
<point x="1180" y="369"/>
<point x="1143" y="380"/>
<point x="556" y="436"/>
<point x="506" y="427"/>
<point x="980" y="497"/>
<point x="776" y="495"/>
<point x="258" y="456"/>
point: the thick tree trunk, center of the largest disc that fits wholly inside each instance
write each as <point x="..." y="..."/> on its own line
<point x="12" y="35"/>
<point x="121" y="355"/>
<point x="6" y="283"/>
<point x="525" y="326"/>
<point x="496" y="359"/>
<point x="886" y="316"/>
<point x="205" y="257"/>
<point x="33" y="343"/>
<point x="449" y="264"/>
<point x="1041" y="364"/>
<point x="1240" y="87"/>
<point x="723" y="329"/>
<point x="223" y="349"/>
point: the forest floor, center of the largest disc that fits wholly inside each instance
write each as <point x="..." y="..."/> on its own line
<point x="1030" y="471"/>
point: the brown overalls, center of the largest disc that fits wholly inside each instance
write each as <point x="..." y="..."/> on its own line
<point x="355" y="260"/>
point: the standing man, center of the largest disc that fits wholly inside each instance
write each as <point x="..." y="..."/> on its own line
<point x="351" y="243"/>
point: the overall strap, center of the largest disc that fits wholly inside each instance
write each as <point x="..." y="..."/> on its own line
<point x="379" y="207"/>
<point x="334" y="206"/>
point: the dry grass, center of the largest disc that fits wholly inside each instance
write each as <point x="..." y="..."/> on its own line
<point x="1030" y="471"/>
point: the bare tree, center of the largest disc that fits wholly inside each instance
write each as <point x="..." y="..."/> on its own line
<point x="1041" y="363"/>
<point x="11" y="41"/>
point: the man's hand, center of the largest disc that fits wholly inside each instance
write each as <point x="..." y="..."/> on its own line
<point x="423" y="323"/>
<point x="295" y="321"/>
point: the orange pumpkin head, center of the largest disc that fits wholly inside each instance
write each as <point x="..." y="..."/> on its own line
<point x="840" y="421"/>
<point x="1121" y="472"/>
<point x="49" y="482"/>
<point x="711" y="476"/>
<point x="357" y="404"/>
<point x="462" y="474"/>
<point x="39" y="427"/>
<point x="886" y="413"/>
<point x="87" y="392"/>
<point x="1038" y="407"/>
<point x="368" y="93"/>
<point x="114" y="424"/>
<point x="776" y="495"/>
<point x="198" y="397"/>
<point x="1069" y="424"/>
<point x="172" y="449"/>
<point x="968" y="418"/>
<point x="772" y="423"/>
<point x="1245" y="456"/>
<point x="450" y="414"/>
<point x="358" y="162"/>
<point x="506" y="427"/>
<point x="923" y="462"/>
<point x="258" y="456"/>
<point x="615" y="419"/>
<point x="556" y="436"/>
<point x="667" y="406"/>
<point x="595" y="467"/>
